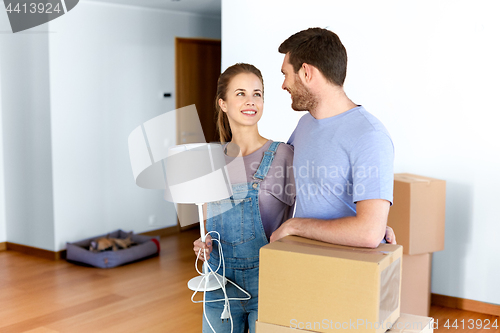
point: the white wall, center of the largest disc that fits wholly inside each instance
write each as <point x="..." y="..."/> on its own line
<point x="429" y="70"/>
<point x="27" y="170"/>
<point x="69" y="100"/>
<point x="3" y="226"/>
<point x="110" y="66"/>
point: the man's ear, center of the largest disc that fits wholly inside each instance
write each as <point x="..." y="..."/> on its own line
<point x="307" y="72"/>
<point x="222" y="105"/>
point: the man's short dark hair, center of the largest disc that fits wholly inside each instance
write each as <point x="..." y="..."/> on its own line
<point x="318" y="47"/>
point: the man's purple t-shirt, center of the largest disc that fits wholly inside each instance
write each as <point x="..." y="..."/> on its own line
<point x="339" y="161"/>
<point x="277" y="190"/>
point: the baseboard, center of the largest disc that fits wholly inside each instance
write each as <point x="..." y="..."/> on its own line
<point x="33" y="251"/>
<point x="465" y="304"/>
<point x="162" y="232"/>
<point x="191" y="226"/>
<point x="60" y="255"/>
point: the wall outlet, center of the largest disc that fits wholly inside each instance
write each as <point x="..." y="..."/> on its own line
<point x="152" y="219"/>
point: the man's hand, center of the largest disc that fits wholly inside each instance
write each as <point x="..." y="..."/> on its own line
<point x="207" y="247"/>
<point x="282" y="231"/>
<point x="390" y="236"/>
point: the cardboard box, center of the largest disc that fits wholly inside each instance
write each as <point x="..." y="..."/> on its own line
<point x="416" y="284"/>
<point x="406" y="323"/>
<point x="307" y="281"/>
<point x="261" y="327"/>
<point x="418" y="213"/>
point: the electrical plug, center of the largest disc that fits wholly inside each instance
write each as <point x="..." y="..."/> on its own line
<point x="225" y="313"/>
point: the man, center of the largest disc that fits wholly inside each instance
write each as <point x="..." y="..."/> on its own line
<point x="344" y="156"/>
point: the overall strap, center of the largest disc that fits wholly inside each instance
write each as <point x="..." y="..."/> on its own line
<point x="265" y="164"/>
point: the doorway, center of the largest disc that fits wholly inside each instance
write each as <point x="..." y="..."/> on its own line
<point x="197" y="69"/>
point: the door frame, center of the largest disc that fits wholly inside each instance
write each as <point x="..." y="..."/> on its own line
<point x="178" y="41"/>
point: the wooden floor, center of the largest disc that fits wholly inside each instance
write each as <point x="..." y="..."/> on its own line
<point x="38" y="295"/>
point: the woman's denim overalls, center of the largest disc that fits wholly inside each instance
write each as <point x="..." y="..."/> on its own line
<point x="238" y="221"/>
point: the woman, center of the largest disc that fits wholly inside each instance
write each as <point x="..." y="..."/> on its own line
<point x="263" y="196"/>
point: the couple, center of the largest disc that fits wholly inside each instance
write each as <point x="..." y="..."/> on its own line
<point x="342" y="157"/>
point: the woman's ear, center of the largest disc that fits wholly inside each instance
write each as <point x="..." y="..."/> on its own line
<point x="222" y="105"/>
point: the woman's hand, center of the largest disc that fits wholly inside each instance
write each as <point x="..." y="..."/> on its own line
<point x="390" y="236"/>
<point x="207" y="247"/>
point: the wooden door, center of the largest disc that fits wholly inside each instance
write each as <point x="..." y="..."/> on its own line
<point x="198" y="64"/>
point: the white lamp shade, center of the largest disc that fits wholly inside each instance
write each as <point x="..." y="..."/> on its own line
<point x="196" y="173"/>
<point x="149" y="143"/>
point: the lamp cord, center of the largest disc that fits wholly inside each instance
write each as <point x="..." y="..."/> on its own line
<point x="226" y="313"/>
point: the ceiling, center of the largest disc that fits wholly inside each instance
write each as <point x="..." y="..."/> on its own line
<point x="203" y="7"/>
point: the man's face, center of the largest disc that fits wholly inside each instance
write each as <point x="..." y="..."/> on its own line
<point x="302" y="98"/>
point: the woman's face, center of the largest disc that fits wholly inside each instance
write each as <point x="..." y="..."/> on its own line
<point x="244" y="100"/>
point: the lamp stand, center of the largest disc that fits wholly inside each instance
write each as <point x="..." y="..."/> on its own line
<point x="211" y="282"/>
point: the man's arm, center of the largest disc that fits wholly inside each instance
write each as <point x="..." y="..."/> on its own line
<point x="366" y="229"/>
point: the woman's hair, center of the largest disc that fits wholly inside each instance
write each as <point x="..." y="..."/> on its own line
<point x="225" y="134"/>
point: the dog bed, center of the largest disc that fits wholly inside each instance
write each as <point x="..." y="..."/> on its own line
<point x="78" y="252"/>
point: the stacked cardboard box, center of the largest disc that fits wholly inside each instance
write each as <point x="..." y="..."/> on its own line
<point x="406" y="323"/>
<point x="418" y="219"/>
<point x="323" y="287"/>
